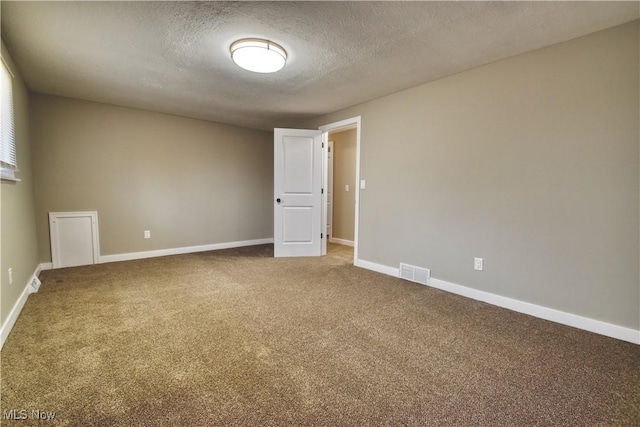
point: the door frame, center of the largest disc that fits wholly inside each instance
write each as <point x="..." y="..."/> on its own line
<point x="329" y="190"/>
<point x="353" y="122"/>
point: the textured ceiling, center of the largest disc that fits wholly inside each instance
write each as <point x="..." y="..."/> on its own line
<point x="173" y="57"/>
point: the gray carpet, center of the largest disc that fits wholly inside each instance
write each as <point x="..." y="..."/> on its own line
<point x="237" y="337"/>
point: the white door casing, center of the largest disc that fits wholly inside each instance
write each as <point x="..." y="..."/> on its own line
<point x="329" y="189"/>
<point x="297" y="192"/>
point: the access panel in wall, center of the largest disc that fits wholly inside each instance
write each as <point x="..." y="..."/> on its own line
<point x="74" y="238"/>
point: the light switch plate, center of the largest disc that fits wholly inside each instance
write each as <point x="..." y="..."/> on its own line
<point x="363" y="184"/>
<point x="478" y="264"/>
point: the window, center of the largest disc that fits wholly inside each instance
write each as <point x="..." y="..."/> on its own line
<point x="8" y="164"/>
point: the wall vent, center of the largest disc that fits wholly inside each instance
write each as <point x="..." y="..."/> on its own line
<point x="35" y="284"/>
<point x="415" y="274"/>
<point x="407" y="271"/>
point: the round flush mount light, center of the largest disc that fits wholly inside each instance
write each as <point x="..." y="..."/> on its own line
<point x="258" y="55"/>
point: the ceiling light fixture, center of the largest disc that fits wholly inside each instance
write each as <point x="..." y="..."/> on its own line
<point x="258" y="55"/>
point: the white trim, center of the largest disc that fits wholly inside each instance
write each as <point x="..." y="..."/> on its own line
<point x="329" y="205"/>
<point x="341" y="241"/>
<point x="9" y="179"/>
<point x="347" y="124"/>
<point x="341" y="125"/>
<point x="553" y="315"/>
<point x="562" y="317"/>
<point x="13" y="315"/>
<point x="325" y="193"/>
<point x="18" y="306"/>
<point x="37" y="272"/>
<point x="184" y="250"/>
<point x="45" y="266"/>
<point x="390" y="271"/>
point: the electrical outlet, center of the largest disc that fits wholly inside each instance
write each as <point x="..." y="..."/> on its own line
<point x="346" y="187"/>
<point x="478" y="264"/>
<point x="147" y="234"/>
<point x="11" y="276"/>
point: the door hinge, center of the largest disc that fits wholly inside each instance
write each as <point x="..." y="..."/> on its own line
<point x="322" y="191"/>
<point x="321" y="235"/>
<point x="323" y="145"/>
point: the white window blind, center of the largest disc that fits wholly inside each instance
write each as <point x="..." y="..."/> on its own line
<point x="8" y="163"/>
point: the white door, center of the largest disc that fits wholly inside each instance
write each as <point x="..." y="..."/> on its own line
<point x="297" y="192"/>
<point x="74" y="238"/>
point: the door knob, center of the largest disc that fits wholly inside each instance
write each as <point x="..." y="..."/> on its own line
<point x="278" y="200"/>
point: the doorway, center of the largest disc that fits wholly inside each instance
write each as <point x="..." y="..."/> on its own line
<point x="340" y="189"/>
<point x="301" y="170"/>
<point x="341" y="178"/>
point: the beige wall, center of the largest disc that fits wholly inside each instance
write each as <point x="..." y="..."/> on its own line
<point x="531" y="163"/>
<point x="344" y="172"/>
<point x="19" y="245"/>
<point x="190" y="182"/>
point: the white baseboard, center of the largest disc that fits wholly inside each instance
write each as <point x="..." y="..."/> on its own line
<point x="390" y="271"/>
<point x="179" y="251"/>
<point x="341" y="241"/>
<point x="45" y="266"/>
<point x="574" y="320"/>
<point x="17" y="307"/>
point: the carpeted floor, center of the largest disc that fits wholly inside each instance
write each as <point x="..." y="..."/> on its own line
<point x="236" y="337"/>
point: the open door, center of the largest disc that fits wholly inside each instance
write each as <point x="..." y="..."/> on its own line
<point x="297" y="193"/>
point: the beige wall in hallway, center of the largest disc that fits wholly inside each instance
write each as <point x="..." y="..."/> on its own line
<point x="344" y="172"/>
<point x="19" y="249"/>
<point x="190" y="182"/>
<point x="531" y="163"/>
